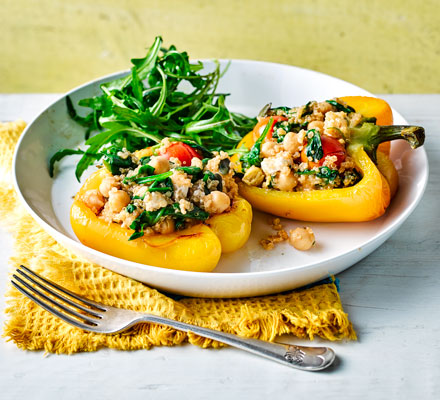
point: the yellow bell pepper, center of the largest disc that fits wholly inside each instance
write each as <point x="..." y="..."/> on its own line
<point x="197" y="248"/>
<point x="373" y="107"/>
<point x="364" y="201"/>
<point x="234" y="227"/>
<point x="381" y="110"/>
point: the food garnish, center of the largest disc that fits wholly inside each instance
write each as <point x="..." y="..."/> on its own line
<point x="164" y="96"/>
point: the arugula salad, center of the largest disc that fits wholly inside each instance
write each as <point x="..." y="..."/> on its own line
<point x="164" y="96"/>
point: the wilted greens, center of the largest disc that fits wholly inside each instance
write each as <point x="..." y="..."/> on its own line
<point x="252" y="157"/>
<point x="314" y="145"/>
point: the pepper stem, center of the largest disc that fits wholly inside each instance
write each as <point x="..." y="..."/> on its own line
<point x="371" y="135"/>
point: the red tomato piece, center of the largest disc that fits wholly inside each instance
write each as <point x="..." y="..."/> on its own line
<point x="181" y="151"/>
<point x="332" y="147"/>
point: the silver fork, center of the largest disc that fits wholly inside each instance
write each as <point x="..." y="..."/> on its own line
<point x="95" y="317"/>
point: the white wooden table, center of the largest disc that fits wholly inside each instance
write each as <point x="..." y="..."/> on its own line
<point x="392" y="297"/>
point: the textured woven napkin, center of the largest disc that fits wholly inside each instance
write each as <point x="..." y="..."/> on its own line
<point x="316" y="311"/>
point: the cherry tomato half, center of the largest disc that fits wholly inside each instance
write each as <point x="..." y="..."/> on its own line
<point x="181" y="151"/>
<point x="330" y="147"/>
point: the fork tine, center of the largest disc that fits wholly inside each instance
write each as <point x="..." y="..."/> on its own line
<point x="86" y="319"/>
<point x="64" y="290"/>
<point x="57" y="295"/>
<point x="53" y="311"/>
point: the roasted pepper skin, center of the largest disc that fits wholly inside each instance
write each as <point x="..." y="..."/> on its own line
<point x="365" y="201"/>
<point x="193" y="249"/>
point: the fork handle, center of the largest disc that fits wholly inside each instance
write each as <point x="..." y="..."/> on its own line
<point x="299" y="357"/>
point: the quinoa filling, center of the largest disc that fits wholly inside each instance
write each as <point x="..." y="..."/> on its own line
<point x="159" y="193"/>
<point x="305" y="149"/>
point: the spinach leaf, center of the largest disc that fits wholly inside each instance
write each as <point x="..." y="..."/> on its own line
<point x="149" y="218"/>
<point x="195" y="213"/>
<point x="179" y="223"/>
<point x="145" y="160"/>
<point x="114" y="163"/>
<point x="190" y="170"/>
<point x="347" y="109"/>
<point x="253" y="156"/>
<point x="323" y="172"/>
<point x="136" y="235"/>
<point x="130" y="208"/>
<point x="308" y="109"/>
<point x="314" y="146"/>
<point x="163" y="186"/>
<point x="208" y="175"/>
<point x="205" y="152"/>
<point x="327" y="174"/>
<point x="147" y="170"/>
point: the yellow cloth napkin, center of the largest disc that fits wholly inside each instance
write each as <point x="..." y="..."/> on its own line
<point x="316" y="311"/>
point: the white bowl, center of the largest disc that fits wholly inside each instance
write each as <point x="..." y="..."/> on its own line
<point x="250" y="271"/>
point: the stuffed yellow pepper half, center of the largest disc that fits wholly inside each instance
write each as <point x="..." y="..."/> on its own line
<point x="166" y="206"/>
<point x="319" y="162"/>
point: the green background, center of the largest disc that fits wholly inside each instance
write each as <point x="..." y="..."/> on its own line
<point x="385" y="46"/>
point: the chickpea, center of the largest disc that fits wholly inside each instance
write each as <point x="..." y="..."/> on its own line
<point x="216" y="202"/>
<point x="302" y="238"/>
<point x="286" y="181"/>
<point x="117" y="200"/>
<point x="319" y="125"/>
<point x="160" y="164"/>
<point x="291" y="142"/>
<point x="108" y="183"/>
<point x="254" y="176"/>
<point x="94" y="200"/>
<point x="196" y="162"/>
<point x="165" y="226"/>
<point x="268" y="149"/>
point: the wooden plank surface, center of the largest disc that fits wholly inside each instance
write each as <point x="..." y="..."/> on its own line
<point x="392" y="297"/>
